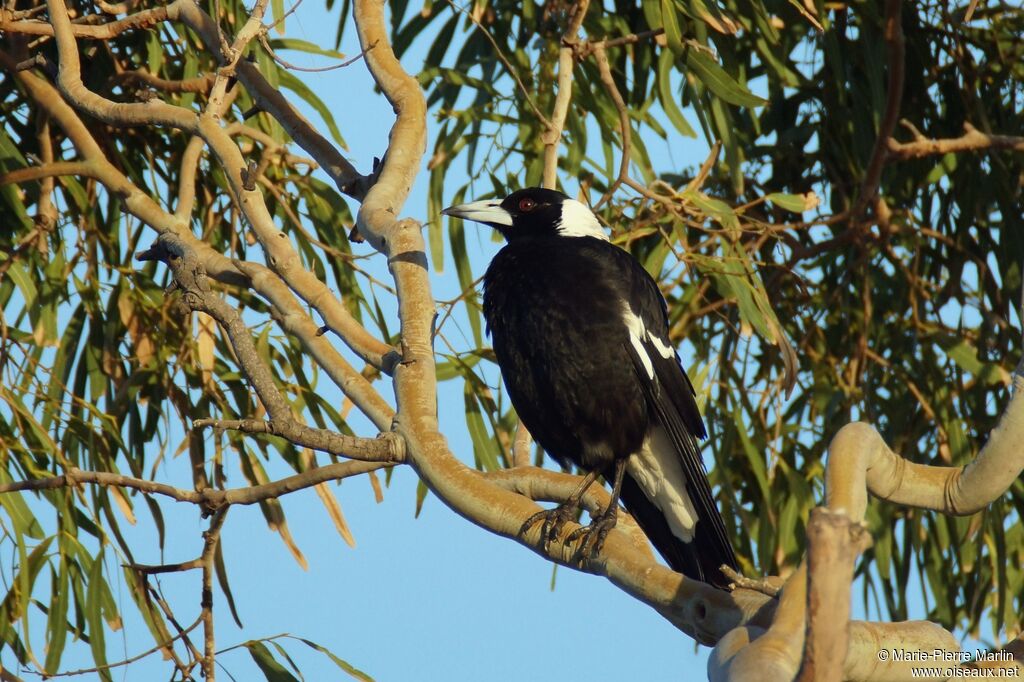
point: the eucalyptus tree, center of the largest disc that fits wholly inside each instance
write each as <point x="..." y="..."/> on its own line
<point x="845" y="264"/>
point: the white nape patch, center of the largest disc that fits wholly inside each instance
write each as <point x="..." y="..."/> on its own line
<point x="658" y="472"/>
<point x="578" y="221"/>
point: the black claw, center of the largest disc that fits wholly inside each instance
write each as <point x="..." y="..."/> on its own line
<point x="553" y="520"/>
<point x="593" y="536"/>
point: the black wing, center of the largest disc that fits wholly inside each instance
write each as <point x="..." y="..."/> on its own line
<point x="671" y="399"/>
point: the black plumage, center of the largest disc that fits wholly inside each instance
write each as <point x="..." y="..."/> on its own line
<point x="580" y="331"/>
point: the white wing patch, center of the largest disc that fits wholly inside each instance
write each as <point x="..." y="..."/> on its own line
<point x="638" y="334"/>
<point x="657" y="471"/>
<point x="578" y="221"/>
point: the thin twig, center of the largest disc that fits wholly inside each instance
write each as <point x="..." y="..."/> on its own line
<point x="880" y="151"/>
<point x="309" y="69"/>
<point x="588" y="47"/>
<point x="504" y="60"/>
<point x="208" y="498"/>
<point x="210" y="539"/>
<point x="133" y="659"/>
<point x="191" y="278"/>
<point x="626" y="130"/>
<point x="705" y="168"/>
<point x="566" y="62"/>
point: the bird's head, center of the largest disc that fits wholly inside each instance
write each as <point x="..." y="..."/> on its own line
<point x="533" y="211"/>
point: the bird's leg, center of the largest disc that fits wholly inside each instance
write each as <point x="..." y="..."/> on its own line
<point x="594" y="534"/>
<point x="555" y="518"/>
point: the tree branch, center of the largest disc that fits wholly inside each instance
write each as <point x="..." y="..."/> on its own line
<point x="210" y="499"/>
<point x="550" y="486"/>
<point x="626" y="130"/>
<point x="566" y="62"/>
<point x="972" y="140"/>
<point x="211" y="538"/>
<point x="142" y="206"/>
<point x="588" y="47"/>
<point x="142" y="20"/>
<point x="270" y="99"/>
<point x="833" y="543"/>
<point x="191" y="278"/>
<point x="859" y="461"/>
<point x="879" y="153"/>
<point x="282" y="258"/>
<point x="294" y="320"/>
<point x="199" y="84"/>
<point x="47" y="170"/>
<point x="406" y="145"/>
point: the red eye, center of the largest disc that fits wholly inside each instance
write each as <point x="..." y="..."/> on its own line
<point x="527" y="204"/>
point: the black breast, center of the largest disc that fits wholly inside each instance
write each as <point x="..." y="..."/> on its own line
<point x="554" y="308"/>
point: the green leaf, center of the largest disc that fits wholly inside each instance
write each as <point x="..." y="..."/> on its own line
<point x="791" y="202"/>
<point x="344" y="665"/>
<point x="435" y="203"/>
<point x="670" y="21"/>
<point x="421" y="496"/>
<point x="755" y="457"/>
<point x="277" y="7"/>
<point x="483" y="444"/>
<point x="25" y="283"/>
<point x="56" y="623"/>
<point x="966" y="357"/>
<point x="94" y="616"/>
<point x="222" y="579"/>
<point x="719" y="81"/>
<point x="667" y="98"/>
<point x="268" y="665"/>
<point x="14" y="504"/>
<point x="309" y="97"/>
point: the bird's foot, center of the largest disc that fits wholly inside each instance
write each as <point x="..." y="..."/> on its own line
<point x="593" y="536"/>
<point x="553" y="520"/>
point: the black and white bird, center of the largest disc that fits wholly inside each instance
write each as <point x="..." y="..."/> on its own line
<point x="580" y="331"/>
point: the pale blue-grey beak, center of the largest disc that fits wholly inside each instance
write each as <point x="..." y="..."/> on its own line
<point x="488" y="212"/>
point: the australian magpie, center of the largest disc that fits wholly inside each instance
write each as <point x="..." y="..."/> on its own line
<point x="580" y="331"/>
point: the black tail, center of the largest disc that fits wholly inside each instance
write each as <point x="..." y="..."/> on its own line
<point x="699" y="559"/>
